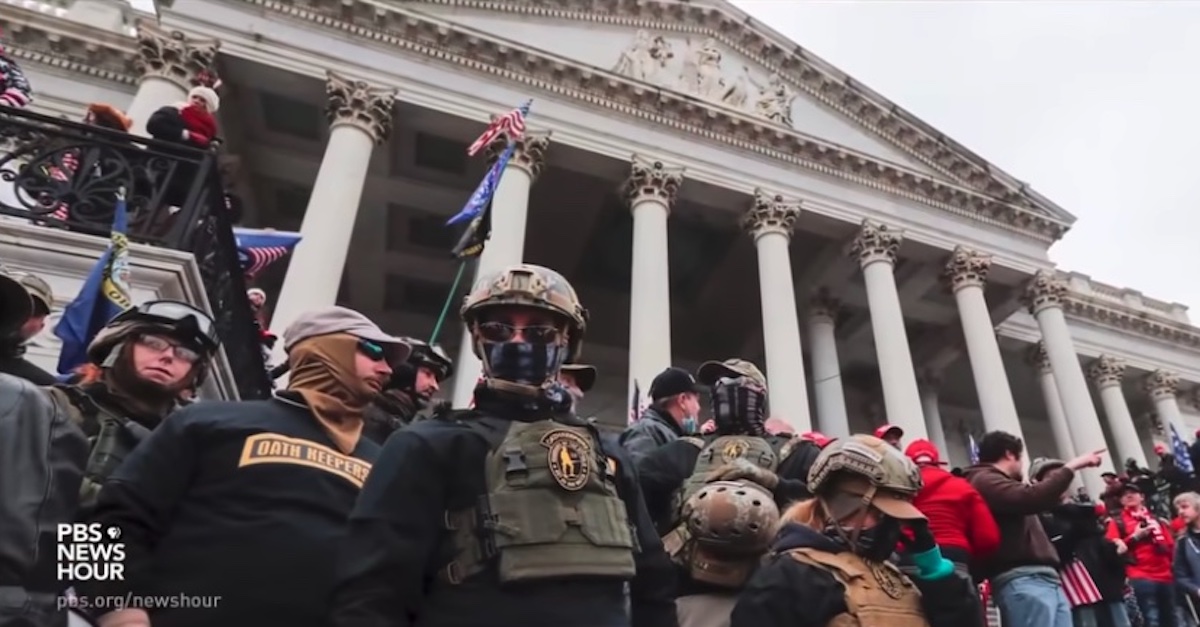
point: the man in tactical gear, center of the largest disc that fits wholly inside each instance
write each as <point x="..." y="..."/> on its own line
<point x="13" y="340"/>
<point x="676" y="481"/>
<point x="242" y="501"/>
<point x="512" y="513"/>
<point x="830" y="563"/>
<point x="70" y="438"/>
<point x="411" y="388"/>
<point x="674" y="412"/>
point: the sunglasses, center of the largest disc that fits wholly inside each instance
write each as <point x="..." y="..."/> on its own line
<point x="373" y="351"/>
<point x="503" y="332"/>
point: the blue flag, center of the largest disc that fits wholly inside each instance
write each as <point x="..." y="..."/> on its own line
<point x="259" y="248"/>
<point x="479" y="209"/>
<point x="104" y="294"/>
<point x="972" y="449"/>
<point x="1183" y="459"/>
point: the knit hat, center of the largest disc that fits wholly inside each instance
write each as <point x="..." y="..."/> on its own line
<point x="206" y="94"/>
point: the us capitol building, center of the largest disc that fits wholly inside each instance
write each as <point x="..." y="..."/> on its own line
<point x="711" y="189"/>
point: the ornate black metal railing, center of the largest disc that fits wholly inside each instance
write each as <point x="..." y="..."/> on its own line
<point x="68" y="175"/>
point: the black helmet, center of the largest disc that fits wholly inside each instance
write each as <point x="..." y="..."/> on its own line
<point x="178" y="320"/>
<point x="431" y="356"/>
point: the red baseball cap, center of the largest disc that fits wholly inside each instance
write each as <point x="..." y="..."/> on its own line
<point x="882" y="432"/>
<point x="816" y="437"/>
<point x="924" y="453"/>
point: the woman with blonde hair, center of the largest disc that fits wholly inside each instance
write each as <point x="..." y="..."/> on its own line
<point x="831" y="564"/>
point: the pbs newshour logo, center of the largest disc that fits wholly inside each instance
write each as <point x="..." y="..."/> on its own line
<point x="90" y="552"/>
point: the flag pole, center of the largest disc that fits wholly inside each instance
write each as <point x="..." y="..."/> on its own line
<point x="437" y="327"/>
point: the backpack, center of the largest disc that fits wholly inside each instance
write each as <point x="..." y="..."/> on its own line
<point x="551" y="509"/>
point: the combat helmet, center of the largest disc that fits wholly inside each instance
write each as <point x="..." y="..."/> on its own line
<point x="181" y="321"/>
<point x="431" y="356"/>
<point x="532" y="286"/>
<point x="1042" y="465"/>
<point x="864" y="465"/>
<point x="732" y="517"/>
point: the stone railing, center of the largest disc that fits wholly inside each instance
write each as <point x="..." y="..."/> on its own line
<point x="66" y="175"/>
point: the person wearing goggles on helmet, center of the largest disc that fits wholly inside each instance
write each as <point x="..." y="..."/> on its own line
<point x="239" y="501"/>
<point x="20" y="323"/>
<point x="831" y="562"/>
<point x="409" y="390"/>
<point x="722" y="478"/>
<point x="74" y="437"/>
<point x="565" y="529"/>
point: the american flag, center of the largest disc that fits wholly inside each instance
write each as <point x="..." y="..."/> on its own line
<point x="259" y="248"/>
<point x="511" y="123"/>
<point x="1183" y="459"/>
<point x="1078" y="585"/>
<point x="70" y="163"/>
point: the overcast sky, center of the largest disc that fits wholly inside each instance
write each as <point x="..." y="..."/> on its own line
<point x="1093" y="103"/>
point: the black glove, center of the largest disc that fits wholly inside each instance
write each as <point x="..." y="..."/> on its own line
<point x="921" y="540"/>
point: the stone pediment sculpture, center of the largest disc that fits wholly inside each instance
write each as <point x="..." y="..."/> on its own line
<point x="700" y="67"/>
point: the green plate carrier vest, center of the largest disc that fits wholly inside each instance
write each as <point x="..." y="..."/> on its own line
<point x="725" y="449"/>
<point x="551" y="508"/>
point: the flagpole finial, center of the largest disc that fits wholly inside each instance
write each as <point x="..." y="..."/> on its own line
<point x="121" y="193"/>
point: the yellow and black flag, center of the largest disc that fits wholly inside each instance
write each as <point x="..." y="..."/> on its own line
<point x="473" y="238"/>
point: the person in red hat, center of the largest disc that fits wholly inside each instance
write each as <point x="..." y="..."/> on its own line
<point x="890" y="434"/>
<point x="959" y="518"/>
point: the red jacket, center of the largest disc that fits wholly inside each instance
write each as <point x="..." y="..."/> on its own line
<point x="958" y="517"/>
<point x="1151" y="555"/>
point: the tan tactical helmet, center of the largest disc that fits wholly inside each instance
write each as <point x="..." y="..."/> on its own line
<point x="530" y="286"/>
<point x="732" y="517"/>
<point x="871" y="468"/>
<point x="1042" y="465"/>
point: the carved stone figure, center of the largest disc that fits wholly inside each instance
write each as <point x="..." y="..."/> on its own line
<point x="709" y="82"/>
<point x="774" y="100"/>
<point x="636" y="59"/>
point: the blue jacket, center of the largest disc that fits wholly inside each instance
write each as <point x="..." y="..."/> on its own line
<point x="650" y="431"/>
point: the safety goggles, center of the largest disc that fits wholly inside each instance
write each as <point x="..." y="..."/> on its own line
<point x="162" y="345"/>
<point x="175" y="314"/>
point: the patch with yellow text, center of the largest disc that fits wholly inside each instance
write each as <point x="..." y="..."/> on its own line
<point x="272" y="448"/>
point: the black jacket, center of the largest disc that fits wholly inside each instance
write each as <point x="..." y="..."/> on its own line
<point x="245" y="501"/>
<point x="42" y="455"/>
<point x="397" y="544"/>
<point x="12" y="361"/>
<point x="1077" y="534"/>
<point x="786" y="593"/>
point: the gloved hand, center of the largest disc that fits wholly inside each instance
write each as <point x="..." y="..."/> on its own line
<point x="924" y="551"/>
<point x="741" y="469"/>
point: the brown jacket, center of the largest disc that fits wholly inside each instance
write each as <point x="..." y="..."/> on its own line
<point x="1016" y="506"/>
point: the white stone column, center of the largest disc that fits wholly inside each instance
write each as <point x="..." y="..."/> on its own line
<point x="650" y="191"/>
<point x="832" y="418"/>
<point x="1163" y="386"/>
<point x="360" y="116"/>
<point x="876" y="248"/>
<point x="168" y="62"/>
<point x="1106" y="373"/>
<point x="770" y="222"/>
<point x="1044" y="297"/>
<point x="929" y="384"/>
<point x="506" y="245"/>
<point x="965" y="274"/>
<point x="1054" y="408"/>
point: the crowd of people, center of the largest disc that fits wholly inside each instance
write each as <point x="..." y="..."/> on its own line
<point x="354" y="497"/>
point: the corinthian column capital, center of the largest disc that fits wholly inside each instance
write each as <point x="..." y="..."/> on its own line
<point x="966" y="268"/>
<point x="1106" y="371"/>
<point x="359" y="104"/>
<point x="1044" y="290"/>
<point x="171" y="55"/>
<point x="529" y="154"/>
<point x="770" y="213"/>
<point x="1161" y="384"/>
<point x="876" y="242"/>
<point x="652" y="179"/>
<point x="1039" y="358"/>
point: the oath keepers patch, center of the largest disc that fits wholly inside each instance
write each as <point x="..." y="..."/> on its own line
<point x="272" y="448"/>
<point x="889" y="580"/>
<point x="569" y="457"/>
<point x="734" y="450"/>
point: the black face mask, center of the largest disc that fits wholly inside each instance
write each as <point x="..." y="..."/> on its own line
<point x="879" y="542"/>
<point x="525" y="363"/>
<point x="739" y="409"/>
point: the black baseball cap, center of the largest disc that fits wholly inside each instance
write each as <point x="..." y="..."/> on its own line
<point x="673" y="381"/>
